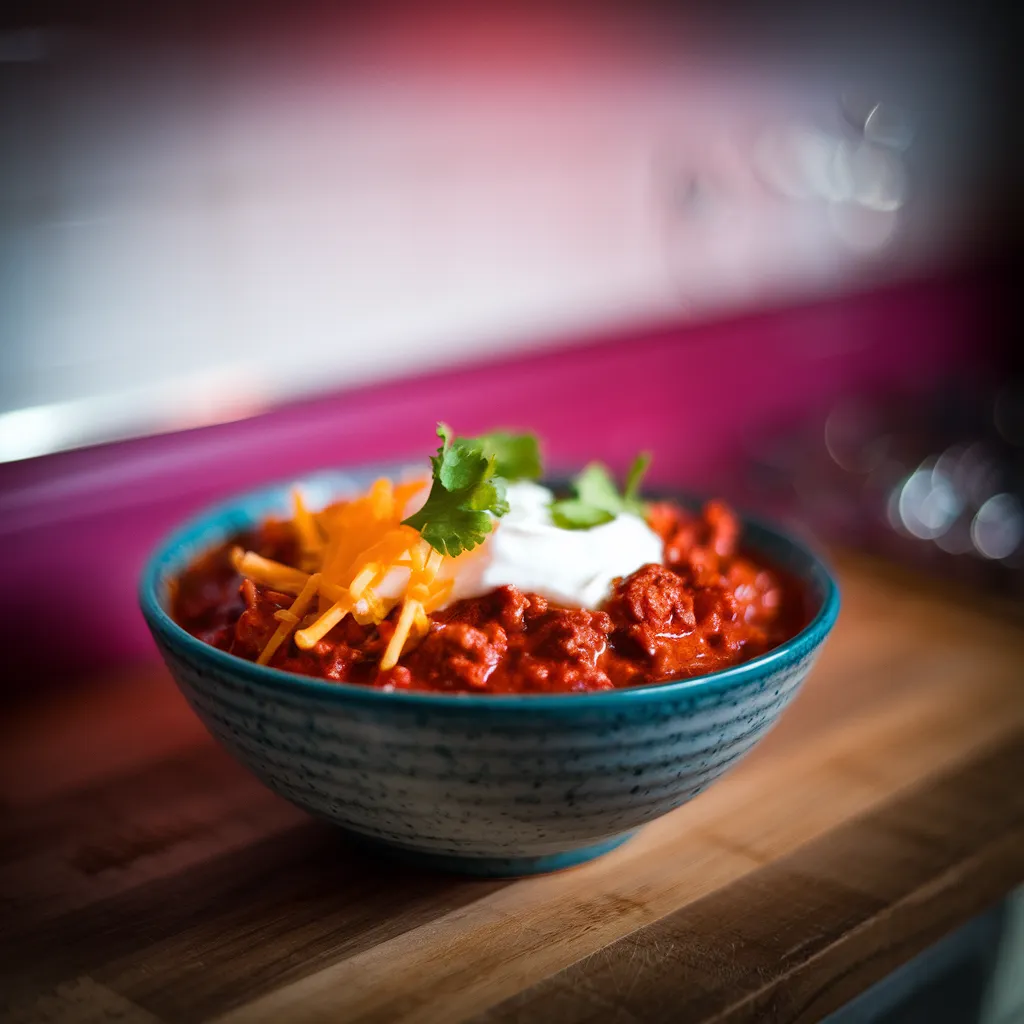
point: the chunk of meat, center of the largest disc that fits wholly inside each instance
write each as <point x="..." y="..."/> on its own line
<point x="576" y="634"/>
<point x="328" y="659"/>
<point x="562" y="650"/>
<point x="757" y="594"/>
<point x="651" y="608"/>
<point x="699" y="547"/>
<point x="723" y="529"/>
<point x="508" y="606"/>
<point x="256" y="624"/>
<point x="665" y="517"/>
<point x="713" y="607"/>
<point x="652" y="596"/>
<point x="458" y="656"/>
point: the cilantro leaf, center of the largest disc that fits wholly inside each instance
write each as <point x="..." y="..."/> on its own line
<point x="597" y="498"/>
<point x="454" y="526"/>
<point x="460" y="461"/>
<point x="517" y="456"/>
<point x="575" y="514"/>
<point x="636" y="473"/>
<point x="466" y="494"/>
<point x="595" y="486"/>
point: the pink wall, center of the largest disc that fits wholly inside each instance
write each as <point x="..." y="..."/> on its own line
<point x="76" y="527"/>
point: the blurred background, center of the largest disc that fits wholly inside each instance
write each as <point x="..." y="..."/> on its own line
<point x="772" y="243"/>
<point x="211" y="210"/>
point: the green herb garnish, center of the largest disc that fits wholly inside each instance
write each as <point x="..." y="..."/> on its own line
<point x="597" y="498"/>
<point x="468" y="487"/>
<point x="516" y="456"/>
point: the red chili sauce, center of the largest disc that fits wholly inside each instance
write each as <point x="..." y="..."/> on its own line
<point x="706" y="608"/>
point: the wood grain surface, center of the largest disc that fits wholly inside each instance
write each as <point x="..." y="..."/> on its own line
<point x="144" y="876"/>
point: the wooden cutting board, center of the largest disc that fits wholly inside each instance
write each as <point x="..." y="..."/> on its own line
<point x="145" y="877"/>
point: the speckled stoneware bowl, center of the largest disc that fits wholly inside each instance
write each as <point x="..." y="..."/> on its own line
<point x="489" y="785"/>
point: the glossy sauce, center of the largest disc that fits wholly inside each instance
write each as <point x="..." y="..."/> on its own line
<point x="707" y="607"/>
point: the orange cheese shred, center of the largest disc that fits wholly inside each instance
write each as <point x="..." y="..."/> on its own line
<point x="269" y="573"/>
<point x="295" y="613"/>
<point x="310" y="538"/>
<point x="351" y="548"/>
<point x="401" y="634"/>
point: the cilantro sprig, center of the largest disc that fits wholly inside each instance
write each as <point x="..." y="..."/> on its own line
<point x="467" y="492"/>
<point x="597" y="500"/>
<point x="516" y="456"/>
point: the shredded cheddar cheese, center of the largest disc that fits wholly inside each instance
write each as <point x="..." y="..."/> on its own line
<point x="311" y="540"/>
<point x="268" y="573"/>
<point x="349" y="549"/>
<point x="419" y="594"/>
<point x="354" y="555"/>
<point x="289" y="619"/>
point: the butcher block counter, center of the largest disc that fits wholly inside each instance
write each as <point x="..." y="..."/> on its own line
<point x="146" y="877"/>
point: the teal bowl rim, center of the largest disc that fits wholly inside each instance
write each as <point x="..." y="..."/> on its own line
<point x="231" y="514"/>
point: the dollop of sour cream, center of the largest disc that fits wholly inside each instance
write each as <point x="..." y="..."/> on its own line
<point x="572" y="567"/>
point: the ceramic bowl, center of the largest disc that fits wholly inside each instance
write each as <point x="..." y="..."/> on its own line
<point x="487" y="785"/>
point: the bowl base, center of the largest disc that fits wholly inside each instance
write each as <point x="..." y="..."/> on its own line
<point x="490" y="867"/>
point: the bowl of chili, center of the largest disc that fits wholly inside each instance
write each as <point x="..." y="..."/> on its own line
<point x="515" y="779"/>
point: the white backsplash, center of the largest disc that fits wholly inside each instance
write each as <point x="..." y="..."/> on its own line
<point x="182" y="242"/>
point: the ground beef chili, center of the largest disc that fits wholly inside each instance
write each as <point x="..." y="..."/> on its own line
<point x="706" y="608"/>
